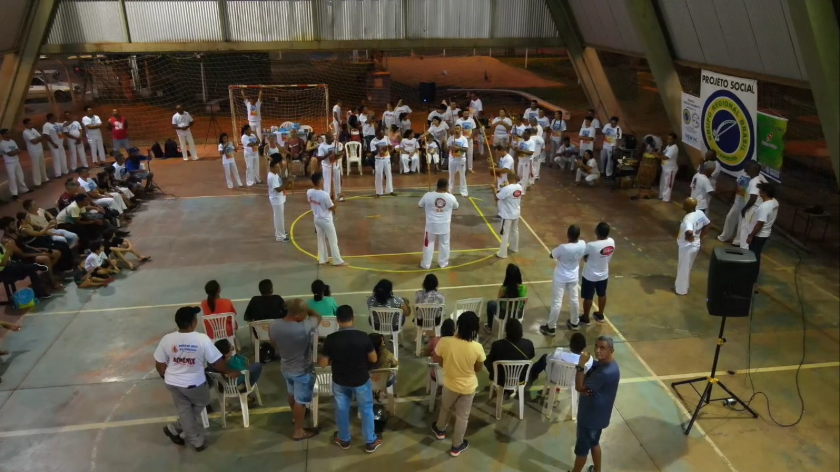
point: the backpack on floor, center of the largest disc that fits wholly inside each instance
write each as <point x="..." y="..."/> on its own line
<point x="170" y="149"/>
<point x="24" y="298"/>
<point x="157" y="152"/>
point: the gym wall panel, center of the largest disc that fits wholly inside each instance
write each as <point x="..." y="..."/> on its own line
<point x="87" y="22"/>
<point x="173" y="21"/>
<point x="280" y="20"/>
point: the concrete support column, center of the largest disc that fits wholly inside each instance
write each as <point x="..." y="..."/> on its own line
<point x="649" y="31"/>
<point x="816" y="29"/>
<point x="17" y="69"/>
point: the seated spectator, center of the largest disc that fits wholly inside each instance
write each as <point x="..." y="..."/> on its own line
<point x="136" y="170"/>
<point x="266" y="305"/>
<point x="512" y="287"/>
<point x="577" y="344"/>
<point x="124" y="178"/>
<point x="107" y="181"/>
<point x="77" y="218"/>
<point x="312" y="150"/>
<point x="42" y="220"/>
<point x="11" y="269"/>
<point x="28" y="254"/>
<point x="321" y="301"/>
<point x="40" y="239"/>
<point x="384" y="357"/>
<point x="429" y="296"/>
<point x="214" y="305"/>
<point x="383" y="297"/>
<point x="70" y="191"/>
<point x="88" y="185"/>
<point x="447" y="328"/>
<point x="296" y="149"/>
<point x="512" y="348"/>
<point x="238" y="362"/>
<point x="97" y="264"/>
<point x="117" y="248"/>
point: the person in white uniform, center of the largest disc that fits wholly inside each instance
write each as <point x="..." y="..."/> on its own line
<point x="227" y="149"/>
<point x="182" y="123"/>
<point x="432" y="153"/>
<point x="753" y="200"/>
<point x="475" y="103"/>
<point x="409" y="153"/>
<point x="763" y="220"/>
<point x="93" y="130"/>
<point x="732" y="224"/>
<point x="389" y="118"/>
<point x="532" y="112"/>
<point x="501" y="128"/>
<point x="587" y="135"/>
<point x="277" y="197"/>
<point x="402" y="108"/>
<point x="381" y="149"/>
<point x="711" y="156"/>
<point x="566" y="154"/>
<point x="612" y="135"/>
<point x="253" y="110"/>
<point x="702" y="188"/>
<point x="330" y="153"/>
<point x="11" y="153"/>
<point x="587" y="169"/>
<point x="323" y="210"/>
<point x="694" y="226"/>
<point x="112" y="200"/>
<point x="438" y="206"/>
<point x="251" y="147"/>
<point x="54" y="130"/>
<point x="73" y="133"/>
<point x="458" y="146"/>
<point x="525" y="149"/>
<point x="35" y="147"/>
<point x="336" y="112"/>
<point x="595" y="122"/>
<point x="509" y="199"/>
<point x="537" y="158"/>
<point x="567" y="259"/>
<point x="556" y="128"/>
<point x="670" y="166"/>
<point x="468" y="125"/>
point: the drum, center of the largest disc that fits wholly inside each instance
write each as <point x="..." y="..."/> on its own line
<point x="647" y="170"/>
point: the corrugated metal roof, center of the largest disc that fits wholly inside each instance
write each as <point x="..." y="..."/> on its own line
<point x="522" y="19"/>
<point x="365" y="19"/>
<point x="775" y="38"/>
<point x="173" y="21"/>
<point x="283" y="20"/>
<point x="680" y="28"/>
<point x="14" y="14"/>
<point x="87" y="22"/>
<point x="448" y="19"/>
<point x="605" y="23"/>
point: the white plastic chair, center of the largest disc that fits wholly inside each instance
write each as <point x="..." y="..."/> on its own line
<point x="433" y="384"/>
<point x="287" y="125"/>
<point x="314" y="342"/>
<point x="379" y="379"/>
<point x="431" y="316"/>
<point x="328" y="326"/>
<point x="231" y="390"/>
<point x="508" y="308"/>
<point x="468" y="304"/>
<point x="353" y="154"/>
<point x="259" y="334"/>
<point x="513" y="372"/>
<point x="565" y="374"/>
<point x="385" y="318"/>
<point x="323" y="387"/>
<point x="219" y="324"/>
<point x="205" y="421"/>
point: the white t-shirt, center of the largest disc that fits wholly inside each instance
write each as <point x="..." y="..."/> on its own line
<point x="499" y="130"/>
<point x="274" y="196"/>
<point x="593" y="167"/>
<point x="431" y="148"/>
<point x="452" y="114"/>
<point x="715" y="173"/>
<point x="611" y="135"/>
<point x="752" y="189"/>
<point x="376" y="144"/>
<point x="694" y="221"/>
<point x="439" y="131"/>
<point x="182" y="119"/>
<point x="253" y="112"/>
<point x="596" y="123"/>
<point x="435" y="113"/>
<point x="363" y="118"/>
<point x="92" y="133"/>
<point x="543" y="122"/>
<point x="476" y="105"/>
<point x="539" y="145"/>
<point x="563" y="150"/>
<point x="320" y="204"/>
<point x="389" y="118"/>
<point x="673" y="152"/>
<point x="598" y="255"/>
<point x="461" y="142"/>
<point x="401" y="109"/>
<point x="119" y="171"/>
<point x="368" y="129"/>
<point x="657" y="143"/>
<point x="325" y="149"/>
<point x="226" y="150"/>
<point x="185" y="355"/>
<point x="531" y="113"/>
<point x="53" y="130"/>
<point x="408" y="146"/>
<point x="94" y="261"/>
<point x="567" y="261"/>
<point x="529" y="145"/>
<point x="73" y="129"/>
<point x="438" y="208"/>
<point x="336" y="110"/>
<point x="32" y="133"/>
<point x="557" y="127"/>
<point x="467" y="126"/>
<point x="510" y="197"/>
<point x="766" y="213"/>
<point x="564" y="355"/>
<point x="701" y="190"/>
<point x="506" y="162"/>
<point x="250" y="139"/>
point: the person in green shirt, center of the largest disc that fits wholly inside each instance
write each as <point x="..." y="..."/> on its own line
<point x="512" y="287"/>
<point x="321" y="302"/>
<point x="239" y="363"/>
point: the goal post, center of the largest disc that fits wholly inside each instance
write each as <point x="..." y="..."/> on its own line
<point x="306" y="104"/>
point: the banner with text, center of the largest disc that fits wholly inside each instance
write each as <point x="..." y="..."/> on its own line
<point x="771" y="144"/>
<point x="728" y="118"/>
<point x="691" y="109"/>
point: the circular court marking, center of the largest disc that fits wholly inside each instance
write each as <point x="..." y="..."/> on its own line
<point x="390" y="271"/>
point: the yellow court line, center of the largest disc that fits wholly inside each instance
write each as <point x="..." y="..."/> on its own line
<point x="480" y="213"/>
<point x="418" y="253"/>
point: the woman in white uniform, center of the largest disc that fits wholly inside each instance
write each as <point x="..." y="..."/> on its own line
<point x="227" y="149"/>
<point x="409" y="154"/>
<point x="251" y="145"/>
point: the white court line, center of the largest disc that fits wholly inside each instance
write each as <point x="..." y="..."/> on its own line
<point x="288" y="297"/>
<point x="653" y="375"/>
<point x="411" y="399"/>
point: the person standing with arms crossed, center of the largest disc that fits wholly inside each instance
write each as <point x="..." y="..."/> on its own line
<point x="670" y="167"/>
<point x="119" y="131"/>
<point x="251" y="150"/>
<point x="11" y="157"/>
<point x="762" y="222"/>
<point x="438" y="206"/>
<point x="93" y="130"/>
<point x="381" y="149"/>
<point x="73" y="132"/>
<point x="252" y="110"/>
<point x="509" y="199"/>
<point x="525" y="148"/>
<point x="323" y="210"/>
<point x="566" y="275"/>
<point x="458" y="146"/>
<point x="277" y="197"/>
<point x="752" y="202"/>
<point x="182" y="123"/>
<point x="693" y="228"/>
<point x="56" y="134"/>
<point x="596" y="272"/>
<point x="502" y="169"/>
<point x="35" y="148"/>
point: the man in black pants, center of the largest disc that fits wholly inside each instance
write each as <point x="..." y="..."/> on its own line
<point x="765" y="217"/>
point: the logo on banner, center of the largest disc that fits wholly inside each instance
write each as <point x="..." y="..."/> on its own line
<point x="728" y="128"/>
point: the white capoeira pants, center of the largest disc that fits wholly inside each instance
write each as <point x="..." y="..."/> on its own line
<point x="666" y="183"/>
<point x="432" y="158"/>
<point x="535" y="169"/>
<point x="39" y="168"/>
<point x="332" y="177"/>
<point x="590" y="178"/>
<point x="746" y="226"/>
<point x="429" y="241"/>
<point x="16" y="180"/>
<point x="126" y="192"/>
<point x="731" y="226"/>
<point x="564" y="162"/>
<point x="111" y="203"/>
<point x="383" y="172"/>
<point x="97" y="150"/>
<point x="325" y="231"/>
<point x="606" y="165"/>
<point x="687" y="254"/>
<point x="185" y="138"/>
<point x="252" y="169"/>
<point x="456" y="165"/>
<point x="257" y="127"/>
<point x="470" y="147"/>
<point x="554" y="146"/>
<point x="558" y="290"/>
<point x="499" y="139"/>
<point x="59" y="159"/>
<point x="510" y="237"/>
<point x="523" y="169"/>
<point x="230" y="172"/>
<point x="480" y="144"/>
<point x="279" y="222"/>
<point x="77" y="156"/>
<point x="410" y="163"/>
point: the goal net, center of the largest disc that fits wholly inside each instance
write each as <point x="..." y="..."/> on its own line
<point x="276" y="105"/>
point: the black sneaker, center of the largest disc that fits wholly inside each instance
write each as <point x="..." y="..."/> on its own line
<point x="457" y="450"/>
<point x="176" y="439"/>
<point x="598" y="317"/>
<point x="584" y="320"/>
<point x="342" y="444"/>
<point x="488" y="328"/>
<point x="571" y="326"/>
<point x="440" y="434"/>
<point x="45" y="296"/>
<point x="373" y="446"/>
<point x="202" y="447"/>
<point x="546" y="331"/>
<point x="41" y="267"/>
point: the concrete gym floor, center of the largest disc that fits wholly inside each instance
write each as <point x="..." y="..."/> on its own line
<point x="79" y="391"/>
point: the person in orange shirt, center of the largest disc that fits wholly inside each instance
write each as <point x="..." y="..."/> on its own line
<point x="214" y="305"/>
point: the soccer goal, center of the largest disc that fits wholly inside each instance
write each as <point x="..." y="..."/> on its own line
<point x="306" y="105"/>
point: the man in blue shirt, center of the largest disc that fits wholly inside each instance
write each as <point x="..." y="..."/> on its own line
<point x="597" y="388"/>
<point x="132" y="166"/>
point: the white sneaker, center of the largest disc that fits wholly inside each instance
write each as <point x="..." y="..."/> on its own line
<point x="194" y="158"/>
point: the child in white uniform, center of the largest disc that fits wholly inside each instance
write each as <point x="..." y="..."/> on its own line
<point x="227" y="150"/>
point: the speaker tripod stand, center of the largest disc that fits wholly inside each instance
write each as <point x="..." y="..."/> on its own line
<point x="711" y="381"/>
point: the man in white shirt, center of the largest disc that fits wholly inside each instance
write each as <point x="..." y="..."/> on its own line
<point x="112" y="201"/>
<point x="251" y="152"/>
<point x="458" y="146"/>
<point x="694" y="226"/>
<point x="468" y="125"/>
<point x="330" y="153"/>
<point x="438" y="206"/>
<point x="711" y="156"/>
<point x="182" y="122"/>
<point x="389" y="118"/>
<point x="35" y="147"/>
<point x="439" y="112"/>
<point x="54" y="130"/>
<point x="537" y="158"/>
<point x="253" y="112"/>
<point x="670" y="166"/>
<point x="323" y="210"/>
<point x="531" y="112"/>
<point x="587" y="135"/>
<point x="475" y="104"/>
<point x="502" y="169"/>
<point x="593" y="118"/>
<point x="277" y="197"/>
<point x="566" y="154"/>
<point x="612" y="135"/>
<point x="762" y="222"/>
<point x="402" y="108"/>
<point x="381" y="149"/>
<point x="336" y="111"/>
<point x="702" y="188"/>
<point x="93" y="130"/>
<point x="587" y="169"/>
<point x="543" y="123"/>
<point x="596" y="272"/>
<point x="525" y="151"/>
<point x="509" y="199"/>
<point x="566" y="275"/>
<point x="11" y="152"/>
<point x="501" y="128"/>
<point x="180" y="359"/>
<point x="73" y="133"/>
<point x="556" y="128"/>
<point x="752" y="199"/>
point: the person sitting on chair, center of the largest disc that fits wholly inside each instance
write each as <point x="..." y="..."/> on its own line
<point x="512" y="348"/>
<point x="136" y="171"/>
<point x="238" y="362"/>
<point x="577" y="344"/>
<point x="266" y="305"/>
